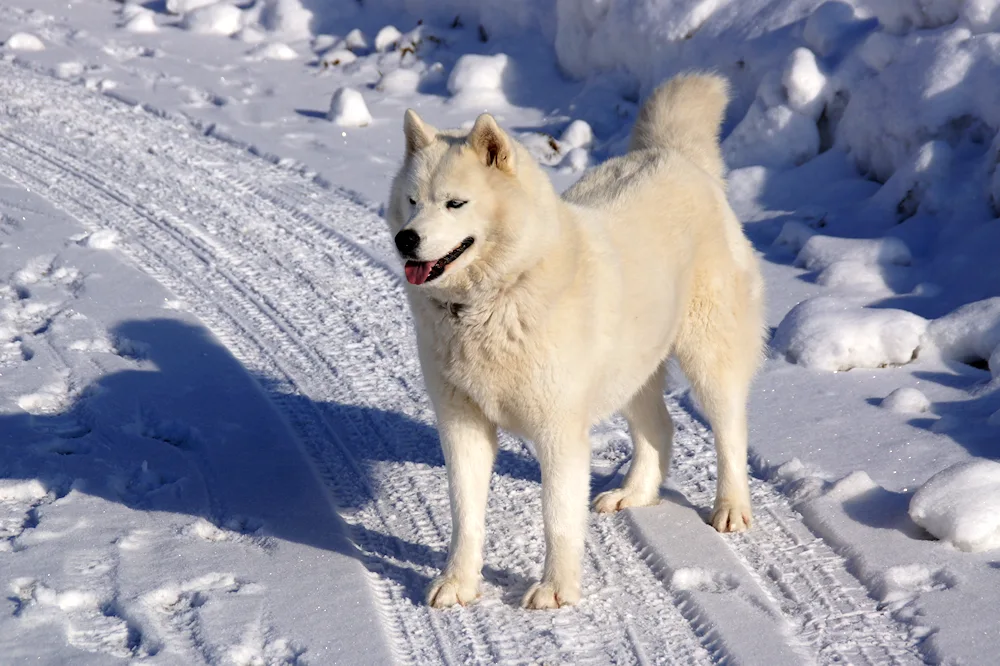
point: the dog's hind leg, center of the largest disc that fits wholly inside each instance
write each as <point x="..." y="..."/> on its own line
<point x="719" y="349"/>
<point x="652" y="439"/>
<point x="469" y="442"/>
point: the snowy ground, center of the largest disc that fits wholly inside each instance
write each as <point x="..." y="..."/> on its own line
<point x="214" y="442"/>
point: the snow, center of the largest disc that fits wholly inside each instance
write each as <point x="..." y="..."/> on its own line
<point x="961" y="505"/>
<point x="832" y="334"/>
<point x="217" y="19"/>
<point x="348" y="109"/>
<point x="24" y="41"/>
<point x="804" y="83"/>
<point x="827" y="25"/>
<point x="273" y="51"/>
<point x="335" y="57"/>
<point x="387" y="38"/>
<point x="355" y="40"/>
<point x="578" y="134"/>
<point x="181" y="7"/>
<point x="983" y="16"/>
<point x="777" y="136"/>
<point x="399" y="82"/>
<point x="289" y="20"/>
<point x="477" y="79"/>
<point x="970" y="333"/>
<point x="906" y="400"/>
<point x="203" y="341"/>
<point x="140" y="20"/>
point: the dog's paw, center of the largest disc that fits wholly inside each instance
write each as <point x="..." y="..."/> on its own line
<point x="447" y="590"/>
<point x="546" y="595"/>
<point x="731" y="516"/>
<point x="616" y="500"/>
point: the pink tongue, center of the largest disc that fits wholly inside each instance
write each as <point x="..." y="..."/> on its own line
<point x="417" y="271"/>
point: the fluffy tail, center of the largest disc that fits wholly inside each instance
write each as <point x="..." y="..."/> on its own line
<point x="685" y="114"/>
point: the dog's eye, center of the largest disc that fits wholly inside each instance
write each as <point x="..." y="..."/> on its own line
<point x="413" y="202"/>
<point x="455" y="203"/>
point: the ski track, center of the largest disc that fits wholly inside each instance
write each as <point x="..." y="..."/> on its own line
<point x="325" y="327"/>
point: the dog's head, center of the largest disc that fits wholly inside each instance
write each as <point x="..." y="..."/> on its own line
<point x="464" y="208"/>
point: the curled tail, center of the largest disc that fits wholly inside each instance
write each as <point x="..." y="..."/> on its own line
<point x="685" y="114"/>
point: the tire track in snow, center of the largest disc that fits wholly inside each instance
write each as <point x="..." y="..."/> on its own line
<point x="316" y="316"/>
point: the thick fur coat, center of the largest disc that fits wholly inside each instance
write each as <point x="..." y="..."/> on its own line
<point x="543" y="314"/>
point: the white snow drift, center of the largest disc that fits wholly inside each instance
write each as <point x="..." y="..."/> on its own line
<point x="961" y="505"/>
<point x="829" y="333"/>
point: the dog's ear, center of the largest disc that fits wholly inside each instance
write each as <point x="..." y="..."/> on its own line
<point x="418" y="134"/>
<point x="491" y="144"/>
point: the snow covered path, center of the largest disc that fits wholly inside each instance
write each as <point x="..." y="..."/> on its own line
<point x="293" y="278"/>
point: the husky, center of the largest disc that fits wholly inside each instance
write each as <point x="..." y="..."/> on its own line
<point x="542" y="315"/>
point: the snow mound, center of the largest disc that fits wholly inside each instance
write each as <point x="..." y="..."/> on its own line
<point x="906" y="400"/>
<point x="902" y="16"/>
<point x="826" y="26"/>
<point x="387" y="38"/>
<point x="981" y="15"/>
<point x="860" y="275"/>
<point x="24" y="41"/>
<point x="804" y="83"/>
<point x="820" y="252"/>
<point x="577" y="159"/>
<point x="478" y="78"/>
<point x="578" y="134"/>
<point x="961" y="505"/>
<point x="900" y="585"/>
<point x="273" y="51"/>
<point x="356" y="40"/>
<point x="829" y="333"/>
<point x="399" y="82"/>
<point x="335" y="57"/>
<point x="185" y="6"/>
<point x="105" y="239"/>
<point x="794" y="234"/>
<point x="142" y="22"/>
<point x="348" y="109"/>
<point x="221" y="19"/>
<point x="772" y="137"/>
<point x="251" y="35"/>
<point x="21" y="491"/>
<point x="285" y="19"/>
<point x="879" y="50"/>
<point x="970" y="333"/>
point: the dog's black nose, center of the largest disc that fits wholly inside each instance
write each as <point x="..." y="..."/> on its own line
<point x="407" y="241"/>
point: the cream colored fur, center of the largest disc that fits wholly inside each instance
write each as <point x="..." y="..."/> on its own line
<point x="565" y="310"/>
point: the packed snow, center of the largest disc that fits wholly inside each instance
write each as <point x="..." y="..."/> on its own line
<point x="203" y="339"/>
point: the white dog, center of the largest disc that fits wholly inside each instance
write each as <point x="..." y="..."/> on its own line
<point x="543" y="315"/>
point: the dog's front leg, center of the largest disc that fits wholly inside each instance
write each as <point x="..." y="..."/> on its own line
<point x="565" y="462"/>
<point x="469" y="441"/>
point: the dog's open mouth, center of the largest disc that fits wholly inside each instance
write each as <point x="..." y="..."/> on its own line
<point x="419" y="272"/>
